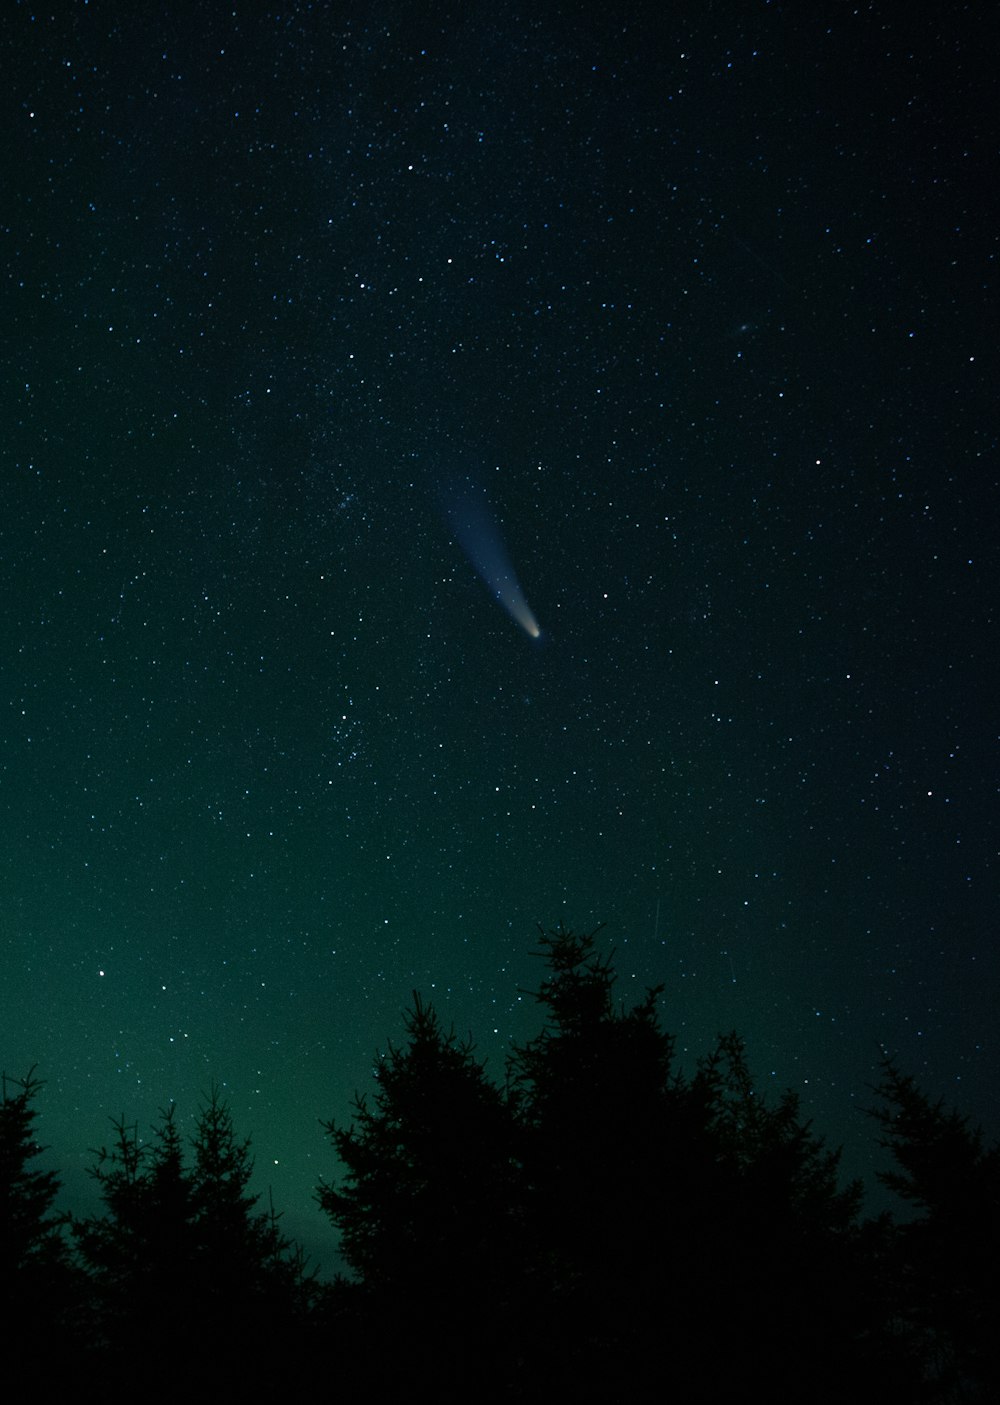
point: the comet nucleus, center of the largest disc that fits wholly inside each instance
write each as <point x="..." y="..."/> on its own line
<point x="475" y="528"/>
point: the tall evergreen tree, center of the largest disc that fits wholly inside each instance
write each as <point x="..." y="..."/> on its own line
<point x="30" y="1228"/>
<point x="772" y="1148"/>
<point x="802" y="1266"/>
<point x="40" y="1292"/>
<point x="182" y="1253"/>
<point x="607" y="1150"/>
<point x="604" y="1226"/>
<point x="427" y="1208"/>
<point x="250" y="1268"/>
<point x="945" y="1256"/>
<point x="140" y="1252"/>
<point x="679" y="1213"/>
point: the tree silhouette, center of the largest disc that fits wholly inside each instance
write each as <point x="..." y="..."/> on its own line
<point x="427" y="1209"/>
<point x="596" y="1099"/>
<point x="31" y="1229"/>
<point x="803" y="1264"/>
<point x="40" y="1293"/>
<point x="141" y="1251"/>
<point x="251" y="1270"/>
<point x="602" y="1226"/>
<point x="772" y="1144"/>
<point x="945" y="1257"/>
<point x="181" y="1253"/>
<point x="602" y="1220"/>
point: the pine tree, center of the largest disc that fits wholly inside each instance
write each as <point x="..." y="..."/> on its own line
<point x="772" y="1147"/>
<point x="30" y="1229"/>
<point x="603" y="1226"/>
<point x="605" y="1129"/>
<point x="40" y="1292"/>
<point x="244" y="1261"/>
<point x="230" y="1229"/>
<point x="427" y="1208"/>
<point x="799" y="1265"/>
<point x="140" y="1252"/>
<point x="182" y="1253"/>
<point x="676" y="1214"/>
<point x="945" y="1257"/>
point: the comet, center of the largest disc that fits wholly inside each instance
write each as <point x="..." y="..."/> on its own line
<point x="474" y="526"/>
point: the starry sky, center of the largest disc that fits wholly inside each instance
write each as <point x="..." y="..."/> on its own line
<point x="697" y="305"/>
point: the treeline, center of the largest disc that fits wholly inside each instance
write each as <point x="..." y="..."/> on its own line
<point x="600" y="1227"/>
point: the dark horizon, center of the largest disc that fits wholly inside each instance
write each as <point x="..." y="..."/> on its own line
<point x="599" y="1223"/>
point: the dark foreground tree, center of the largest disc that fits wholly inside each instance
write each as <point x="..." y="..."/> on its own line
<point x="676" y="1213"/>
<point x="30" y="1228"/>
<point x="40" y="1291"/>
<point x="603" y="1227"/>
<point x="808" y="1276"/>
<point x="427" y="1213"/>
<point x="944" y="1259"/>
<point x="597" y="1103"/>
<point x="250" y="1268"/>
<point x="182" y="1256"/>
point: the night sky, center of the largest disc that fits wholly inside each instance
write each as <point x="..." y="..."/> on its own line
<point x="312" y="313"/>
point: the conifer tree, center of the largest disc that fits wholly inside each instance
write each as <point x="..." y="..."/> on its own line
<point x="677" y="1212"/>
<point x="944" y="1257"/>
<point x="140" y="1252"/>
<point x="604" y="1226"/>
<point x="30" y="1228"/>
<point x="604" y="1122"/>
<point x="245" y="1262"/>
<point x="181" y="1251"/>
<point x="797" y="1257"/>
<point x="40" y="1291"/>
<point x="771" y="1147"/>
<point x="427" y="1208"/>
